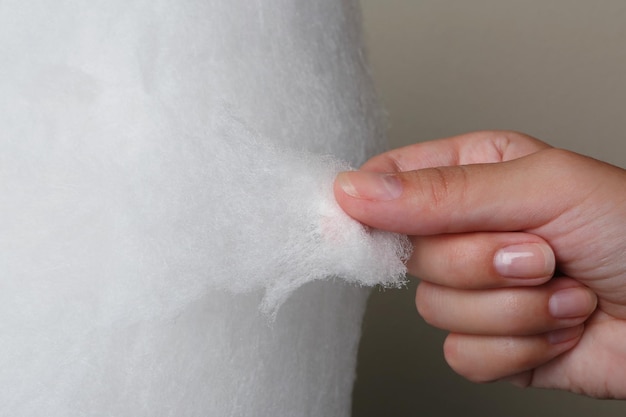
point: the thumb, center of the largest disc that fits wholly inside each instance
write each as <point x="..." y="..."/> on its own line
<point x="520" y="194"/>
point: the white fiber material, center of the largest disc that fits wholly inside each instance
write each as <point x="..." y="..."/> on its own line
<point x="166" y="173"/>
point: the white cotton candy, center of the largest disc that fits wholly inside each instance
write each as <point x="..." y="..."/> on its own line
<point x="169" y="240"/>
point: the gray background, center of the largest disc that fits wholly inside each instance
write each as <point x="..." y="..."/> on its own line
<point x="555" y="69"/>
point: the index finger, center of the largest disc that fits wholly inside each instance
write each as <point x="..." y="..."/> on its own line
<point x="469" y="148"/>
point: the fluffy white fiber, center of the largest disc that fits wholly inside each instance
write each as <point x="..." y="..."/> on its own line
<point x="162" y="179"/>
<point x="285" y="228"/>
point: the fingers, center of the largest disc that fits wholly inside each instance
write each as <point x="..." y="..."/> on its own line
<point x="518" y="311"/>
<point x="507" y="332"/>
<point x="522" y="194"/>
<point x="490" y="358"/>
<point x="482" y="260"/>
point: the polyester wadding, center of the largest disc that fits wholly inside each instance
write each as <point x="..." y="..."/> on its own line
<point x="166" y="173"/>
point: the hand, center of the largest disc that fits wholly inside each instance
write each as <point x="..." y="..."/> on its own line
<point x="492" y="216"/>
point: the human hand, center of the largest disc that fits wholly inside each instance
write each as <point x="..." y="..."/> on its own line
<point x="491" y="215"/>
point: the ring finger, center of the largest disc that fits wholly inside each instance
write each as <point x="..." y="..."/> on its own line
<point x="517" y="311"/>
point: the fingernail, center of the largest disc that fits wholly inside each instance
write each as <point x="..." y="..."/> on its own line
<point x="531" y="260"/>
<point x="571" y="302"/>
<point x="564" y="335"/>
<point x="370" y="185"/>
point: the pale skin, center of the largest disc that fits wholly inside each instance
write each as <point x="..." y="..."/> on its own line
<point x="521" y="252"/>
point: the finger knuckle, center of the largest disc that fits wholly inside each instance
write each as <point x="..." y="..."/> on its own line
<point x="442" y="187"/>
<point x="567" y="164"/>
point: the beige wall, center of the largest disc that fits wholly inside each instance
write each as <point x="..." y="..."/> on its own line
<point x="555" y="69"/>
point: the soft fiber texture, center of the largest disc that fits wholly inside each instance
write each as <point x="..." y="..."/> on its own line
<point x="164" y="190"/>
